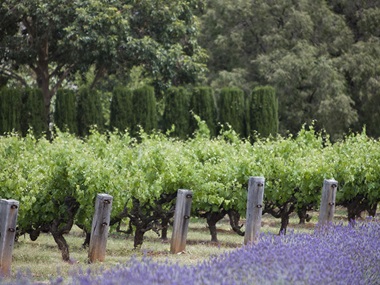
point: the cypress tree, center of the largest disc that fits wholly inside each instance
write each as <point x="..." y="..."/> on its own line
<point x="89" y="111"/>
<point x="10" y="110"/>
<point x="202" y="103"/>
<point x="231" y="108"/>
<point x="33" y="112"/>
<point x="176" y="112"/>
<point x="65" y="114"/>
<point x="121" y="109"/>
<point x="263" y="111"/>
<point x="144" y="108"/>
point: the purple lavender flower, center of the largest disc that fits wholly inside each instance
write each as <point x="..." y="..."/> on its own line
<point x="333" y="255"/>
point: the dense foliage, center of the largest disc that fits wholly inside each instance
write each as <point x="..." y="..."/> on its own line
<point x="89" y="111"/>
<point x="262" y="108"/>
<point x="322" y="57"/>
<point x="231" y="109"/>
<point x="45" y="43"/>
<point x="177" y="112"/>
<point x="65" y="110"/>
<point x="10" y="110"/>
<point x="56" y="182"/>
<point x="144" y="109"/>
<point x="202" y="103"/>
<point x="121" y="109"/>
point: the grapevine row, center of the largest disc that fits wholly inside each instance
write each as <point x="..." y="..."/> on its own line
<point x="57" y="182"/>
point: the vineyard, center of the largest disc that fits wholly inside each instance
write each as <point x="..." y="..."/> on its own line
<point x="56" y="182"/>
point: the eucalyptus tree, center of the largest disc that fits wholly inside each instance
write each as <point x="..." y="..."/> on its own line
<point x="361" y="63"/>
<point x="294" y="46"/>
<point x="52" y="40"/>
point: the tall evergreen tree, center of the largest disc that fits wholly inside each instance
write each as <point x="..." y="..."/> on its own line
<point x="89" y="111"/>
<point x="202" y="103"/>
<point x="33" y="112"/>
<point x="144" y="109"/>
<point x="65" y="114"/>
<point x="10" y="110"/>
<point x="177" y="112"/>
<point x="263" y="111"/>
<point x="121" y="109"/>
<point x="231" y="109"/>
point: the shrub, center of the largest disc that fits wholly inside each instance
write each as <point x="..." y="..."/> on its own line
<point x="144" y="109"/>
<point x="177" y="112"/>
<point x="89" y="111"/>
<point x="10" y="110"/>
<point x="121" y="109"/>
<point x="65" y="115"/>
<point x="231" y="109"/>
<point x="202" y="103"/>
<point x="263" y="111"/>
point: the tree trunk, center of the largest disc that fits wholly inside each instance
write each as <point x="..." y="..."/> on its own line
<point x="284" y="223"/>
<point x="355" y="207"/>
<point x="138" y="238"/>
<point x="62" y="245"/>
<point x="212" y="218"/>
<point x="86" y="242"/>
<point x="234" y="222"/>
<point x="284" y="214"/>
<point x="62" y="225"/>
<point x="164" y="228"/>
<point x="303" y="215"/>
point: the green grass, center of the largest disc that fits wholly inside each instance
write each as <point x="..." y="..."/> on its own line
<point x="43" y="259"/>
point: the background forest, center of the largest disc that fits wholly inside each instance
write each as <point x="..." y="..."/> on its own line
<point x="321" y="57"/>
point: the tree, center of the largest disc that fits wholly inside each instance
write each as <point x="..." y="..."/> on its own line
<point x="121" y="116"/>
<point x="231" y="109"/>
<point x="144" y="110"/>
<point x="55" y="39"/>
<point x="10" y="110"/>
<point x="177" y="111"/>
<point x="202" y="104"/>
<point x="89" y="111"/>
<point x="294" y="46"/>
<point x="263" y="111"/>
<point x="360" y="65"/>
<point x="32" y="112"/>
<point x="65" y="115"/>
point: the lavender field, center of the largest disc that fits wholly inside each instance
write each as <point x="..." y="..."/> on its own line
<point x="339" y="254"/>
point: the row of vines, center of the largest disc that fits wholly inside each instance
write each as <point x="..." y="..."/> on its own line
<point x="56" y="182"/>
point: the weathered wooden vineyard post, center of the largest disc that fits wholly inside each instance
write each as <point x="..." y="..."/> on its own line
<point x="254" y="209"/>
<point x="8" y="221"/>
<point x="100" y="227"/>
<point x="327" y="208"/>
<point x="181" y="220"/>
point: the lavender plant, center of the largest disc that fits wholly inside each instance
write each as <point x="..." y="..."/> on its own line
<point x="333" y="255"/>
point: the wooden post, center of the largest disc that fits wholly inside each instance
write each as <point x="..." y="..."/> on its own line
<point x="327" y="208"/>
<point x="100" y="227"/>
<point x="8" y="221"/>
<point x="254" y="209"/>
<point x="181" y="220"/>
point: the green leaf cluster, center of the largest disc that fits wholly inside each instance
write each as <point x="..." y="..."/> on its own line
<point x="42" y="175"/>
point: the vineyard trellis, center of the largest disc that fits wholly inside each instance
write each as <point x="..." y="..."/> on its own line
<point x="57" y="182"/>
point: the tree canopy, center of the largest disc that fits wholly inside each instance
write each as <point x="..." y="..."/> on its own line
<point x="50" y="41"/>
<point x="320" y="56"/>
